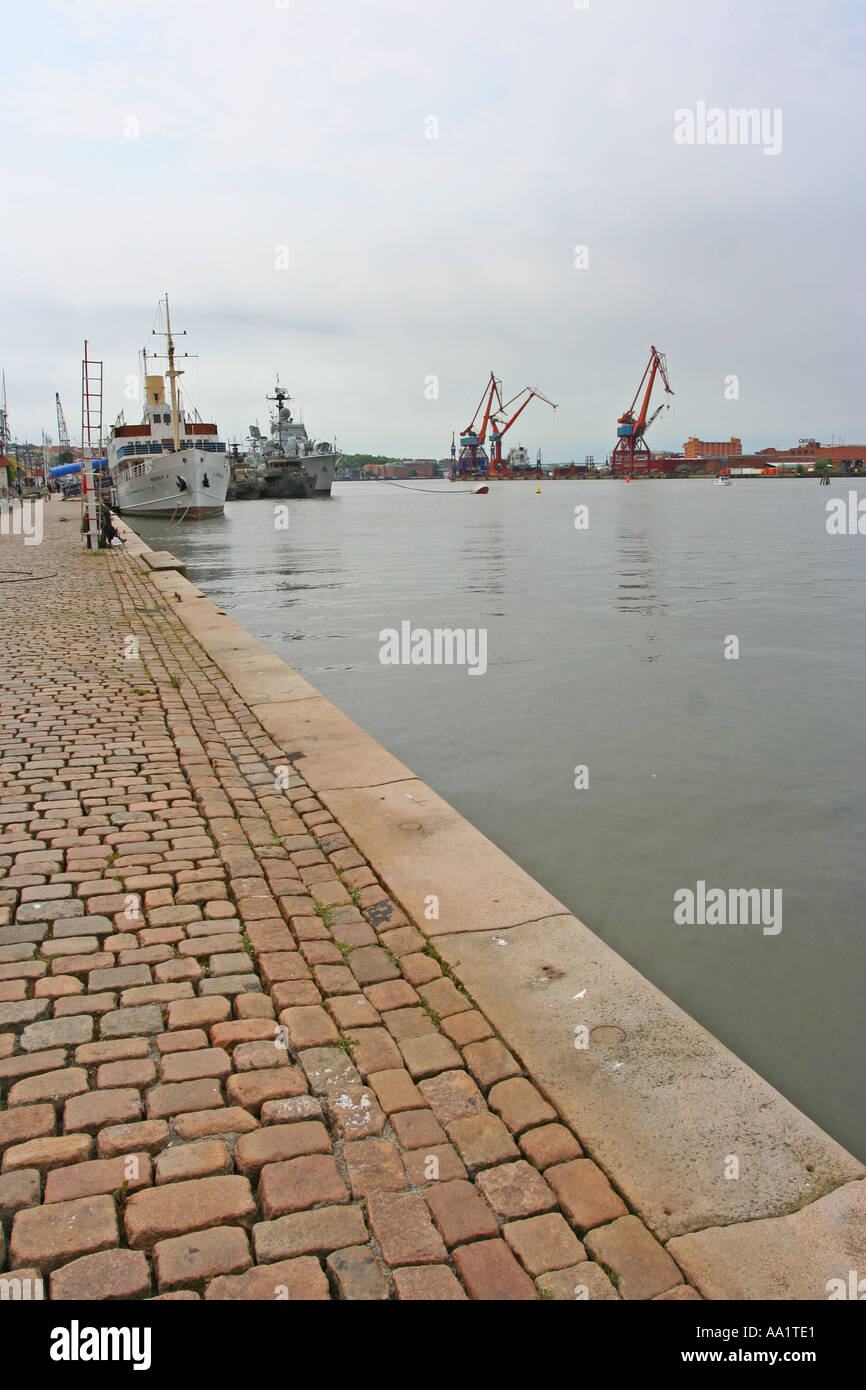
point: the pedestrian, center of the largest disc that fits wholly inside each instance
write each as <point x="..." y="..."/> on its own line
<point x="107" y="531"/>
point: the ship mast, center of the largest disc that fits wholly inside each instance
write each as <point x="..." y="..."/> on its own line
<point x="172" y="375"/>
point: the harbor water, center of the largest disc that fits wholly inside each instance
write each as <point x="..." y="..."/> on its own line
<point x="738" y="764"/>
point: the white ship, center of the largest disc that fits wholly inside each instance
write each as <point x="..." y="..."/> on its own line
<point x="171" y="464"/>
<point x="518" y="457"/>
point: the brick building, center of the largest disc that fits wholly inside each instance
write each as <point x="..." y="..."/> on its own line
<point x="809" y="450"/>
<point x="406" y="468"/>
<point x="695" y="448"/>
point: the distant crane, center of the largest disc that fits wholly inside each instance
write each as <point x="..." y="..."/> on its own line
<point x="473" y="462"/>
<point x="500" y="425"/>
<point x="46" y="458"/>
<point x="62" y="433"/>
<point x="631" y="455"/>
<point x="5" y="432"/>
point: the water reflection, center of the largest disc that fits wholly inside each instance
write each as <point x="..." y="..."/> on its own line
<point x="638" y="586"/>
<point x="490" y="551"/>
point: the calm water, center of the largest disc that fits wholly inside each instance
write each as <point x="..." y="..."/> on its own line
<point x="605" y="648"/>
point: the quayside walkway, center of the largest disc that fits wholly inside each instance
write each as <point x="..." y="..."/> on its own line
<point x="231" y="1066"/>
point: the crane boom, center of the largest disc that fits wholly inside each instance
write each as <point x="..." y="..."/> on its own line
<point x="491" y="392"/>
<point x="500" y="427"/>
<point x="656" y="364"/>
<point x="62" y="431"/>
<point x="533" y="391"/>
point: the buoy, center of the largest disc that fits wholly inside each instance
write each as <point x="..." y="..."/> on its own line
<point x="538" y="489"/>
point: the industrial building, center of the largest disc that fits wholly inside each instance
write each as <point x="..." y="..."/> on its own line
<point x="809" y="451"/>
<point x="406" y="468"/>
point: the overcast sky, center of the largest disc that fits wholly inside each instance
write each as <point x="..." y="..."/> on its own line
<point x="179" y="144"/>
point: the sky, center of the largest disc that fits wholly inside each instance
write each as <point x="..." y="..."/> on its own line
<point x="382" y="201"/>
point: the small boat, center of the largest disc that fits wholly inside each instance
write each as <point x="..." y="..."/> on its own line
<point x="722" y="481"/>
<point x="481" y="488"/>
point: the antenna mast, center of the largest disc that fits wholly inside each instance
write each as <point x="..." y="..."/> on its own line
<point x="173" y="373"/>
<point x="5" y="433"/>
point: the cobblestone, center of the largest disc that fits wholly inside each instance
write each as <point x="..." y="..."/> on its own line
<point x="188" y="1259"/>
<point x="113" y="1274"/>
<point x="357" y="1275"/>
<point x="489" y="1271"/>
<point x="51" y="1235"/>
<point x="402" y="1226"/>
<point x="460" y="1213"/>
<point x="543" y="1243"/>
<point x="197" y="1159"/>
<point x="585" y="1193"/>
<point x="638" y="1265"/>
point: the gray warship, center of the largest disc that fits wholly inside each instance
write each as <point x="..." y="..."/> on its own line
<point x="288" y="464"/>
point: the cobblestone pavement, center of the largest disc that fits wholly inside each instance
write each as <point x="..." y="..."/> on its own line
<point x="230" y="1067"/>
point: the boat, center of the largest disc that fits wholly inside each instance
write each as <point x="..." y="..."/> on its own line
<point x="289" y="463"/>
<point x="243" y="479"/>
<point x="172" y="463"/>
<point x="518" y="459"/>
<point x="722" y="481"/>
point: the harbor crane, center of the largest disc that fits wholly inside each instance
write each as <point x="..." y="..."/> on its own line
<point x="499" y="416"/>
<point x="500" y="425"/>
<point x="473" y="461"/>
<point x="631" y="456"/>
<point x="62" y="433"/>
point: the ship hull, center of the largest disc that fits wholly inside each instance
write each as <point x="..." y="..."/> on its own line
<point x="190" y="484"/>
<point x="309" y="476"/>
<point x="243" y="492"/>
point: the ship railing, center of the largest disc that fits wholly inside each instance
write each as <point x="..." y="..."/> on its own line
<point x="160" y="446"/>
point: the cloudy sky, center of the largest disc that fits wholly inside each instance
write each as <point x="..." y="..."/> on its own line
<point x="180" y="145"/>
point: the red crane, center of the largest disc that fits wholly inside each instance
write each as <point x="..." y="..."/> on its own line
<point x="473" y="458"/>
<point x="631" y="455"/>
<point x="500" y="427"/>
